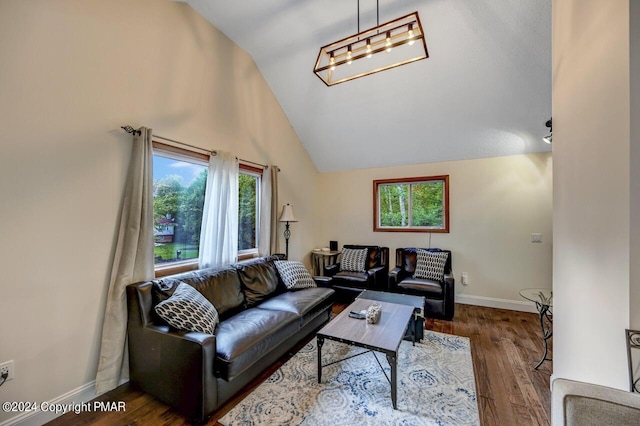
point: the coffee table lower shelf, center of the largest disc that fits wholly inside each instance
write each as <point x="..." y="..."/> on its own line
<point x="384" y="337"/>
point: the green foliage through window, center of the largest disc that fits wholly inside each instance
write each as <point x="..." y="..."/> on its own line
<point x="247" y="211"/>
<point x="411" y="204"/>
<point x="178" y="201"/>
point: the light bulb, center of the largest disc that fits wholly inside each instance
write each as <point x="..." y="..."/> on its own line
<point x="349" y="61"/>
<point x="332" y="63"/>
<point x="388" y="42"/>
<point x="368" y="48"/>
<point x="410" y="37"/>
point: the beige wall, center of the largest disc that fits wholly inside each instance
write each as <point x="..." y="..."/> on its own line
<point x="495" y="205"/>
<point x="634" y="159"/>
<point x="71" y="73"/>
<point x="591" y="185"/>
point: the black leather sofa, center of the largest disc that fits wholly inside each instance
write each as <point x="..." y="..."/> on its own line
<point x="439" y="295"/>
<point x="260" y="320"/>
<point x="350" y="284"/>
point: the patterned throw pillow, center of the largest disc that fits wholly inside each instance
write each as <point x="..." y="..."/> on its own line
<point x="353" y="260"/>
<point x="430" y="265"/>
<point x="294" y="275"/>
<point x="187" y="309"/>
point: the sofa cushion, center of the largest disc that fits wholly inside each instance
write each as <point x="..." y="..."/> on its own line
<point x="259" y="279"/>
<point x="353" y="260"/>
<point x="299" y="302"/>
<point x="220" y="286"/>
<point x="428" y="288"/>
<point x="430" y="265"/>
<point x="187" y="309"/>
<point x="294" y="274"/>
<point x="243" y="339"/>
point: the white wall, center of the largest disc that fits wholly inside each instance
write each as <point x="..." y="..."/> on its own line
<point x="634" y="159"/>
<point x="495" y="205"/>
<point x="591" y="185"/>
<point x="71" y="73"/>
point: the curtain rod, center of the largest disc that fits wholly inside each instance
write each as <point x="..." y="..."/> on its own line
<point x="131" y="130"/>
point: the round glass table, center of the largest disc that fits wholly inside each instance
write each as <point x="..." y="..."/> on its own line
<point x="543" y="298"/>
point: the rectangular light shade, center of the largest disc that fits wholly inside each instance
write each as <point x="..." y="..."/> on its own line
<point x="386" y="46"/>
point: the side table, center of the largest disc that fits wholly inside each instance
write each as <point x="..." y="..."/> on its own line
<point x="320" y="259"/>
<point x="543" y="298"/>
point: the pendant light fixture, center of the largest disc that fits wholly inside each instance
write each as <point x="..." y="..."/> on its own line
<point x="397" y="42"/>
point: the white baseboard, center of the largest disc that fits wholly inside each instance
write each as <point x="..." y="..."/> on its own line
<point x="491" y="302"/>
<point x="84" y="393"/>
<point x="71" y="400"/>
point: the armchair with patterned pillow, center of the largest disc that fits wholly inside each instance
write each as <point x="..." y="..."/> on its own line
<point x="428" y="273"/>
<point x="360" y="267"/>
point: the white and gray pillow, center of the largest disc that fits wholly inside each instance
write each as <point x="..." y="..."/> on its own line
<point x="353" y="260"/>
<point x="430" y="265"/>
<point x="294" y="274"/>
<point x="187" y="309"/>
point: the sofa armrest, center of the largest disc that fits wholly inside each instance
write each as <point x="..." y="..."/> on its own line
<point x="579" y="403"/>
<point x="331" y="270"/>
<point x="378" y="277"/>
<point x="395" y="276"/>
<point x="323" y="281"/>
<point x="159" y="355"/>
<point x="448" y="295"/>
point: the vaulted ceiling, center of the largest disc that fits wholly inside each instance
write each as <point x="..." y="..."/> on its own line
<point x="484" y="91"/>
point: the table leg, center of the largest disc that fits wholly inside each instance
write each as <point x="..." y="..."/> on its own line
<point x="320" y="343"/>
<point x="547" y="333"/>
<point x="392" y="359"/>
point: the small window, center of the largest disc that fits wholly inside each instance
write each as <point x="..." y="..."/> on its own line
<point x="248" y="209"/>
<point x="419" y="204"/>
<point x="179" y="183"/>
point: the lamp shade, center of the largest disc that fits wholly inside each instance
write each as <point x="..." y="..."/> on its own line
<point x="287" y="214"/>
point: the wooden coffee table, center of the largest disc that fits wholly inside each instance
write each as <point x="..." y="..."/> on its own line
<point x="385" y="336"/>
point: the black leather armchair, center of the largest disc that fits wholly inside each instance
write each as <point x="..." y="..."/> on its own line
<point x="439" y="295"/>
<point x="374" y="278"/>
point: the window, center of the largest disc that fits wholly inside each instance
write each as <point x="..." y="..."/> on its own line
<point x="179" y="183"/>
<point x="419" y="204"/>
<point x="248" y="209"/>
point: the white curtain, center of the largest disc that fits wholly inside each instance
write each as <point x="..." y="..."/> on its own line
<point x="268" y="237"/>
<point x="132" y="262"/>
<point x="219" y="232"/>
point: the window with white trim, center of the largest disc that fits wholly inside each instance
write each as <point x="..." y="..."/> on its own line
<point x="179" y="183"/>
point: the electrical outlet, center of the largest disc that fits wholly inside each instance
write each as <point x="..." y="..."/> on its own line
<point x="465" y="278"/>
<point x="7" y="367"/>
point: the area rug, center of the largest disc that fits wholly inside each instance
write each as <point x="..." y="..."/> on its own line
<point x="436" y="386"/>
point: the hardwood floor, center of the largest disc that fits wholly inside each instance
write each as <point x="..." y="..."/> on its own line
<point x="505" y="345"/>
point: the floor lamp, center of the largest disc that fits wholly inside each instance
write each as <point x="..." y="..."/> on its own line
<point x="287" y="216"/>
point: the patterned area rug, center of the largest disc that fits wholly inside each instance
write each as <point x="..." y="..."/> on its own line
<point x="436" y="386"/>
